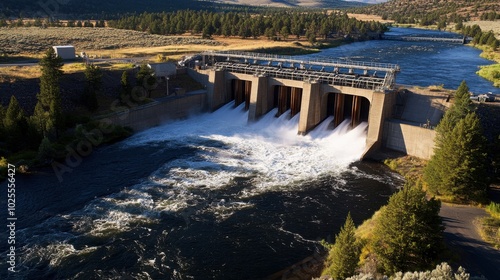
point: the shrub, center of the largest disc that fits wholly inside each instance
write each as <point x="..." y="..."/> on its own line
<point x="494" y="209"/>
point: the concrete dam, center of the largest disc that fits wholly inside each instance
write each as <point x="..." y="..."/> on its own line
<point x="314" y="89"/>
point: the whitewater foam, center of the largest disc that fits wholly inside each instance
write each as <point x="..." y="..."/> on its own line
<point x="270" y="149"/>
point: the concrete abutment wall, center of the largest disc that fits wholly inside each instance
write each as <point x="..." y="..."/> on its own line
<point x="409" y="139"/>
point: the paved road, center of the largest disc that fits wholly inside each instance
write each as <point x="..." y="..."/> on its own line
<point x="92" y="60"/>
<point x="462" y="237"/>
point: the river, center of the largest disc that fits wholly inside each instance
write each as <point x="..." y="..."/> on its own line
<point x="212" y="197"/>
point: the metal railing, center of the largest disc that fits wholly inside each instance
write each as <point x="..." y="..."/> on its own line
<point x="307" y="63"/>
<point x="338" y="79"/>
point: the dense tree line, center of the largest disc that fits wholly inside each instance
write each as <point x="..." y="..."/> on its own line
<point x="480" y="37"/>
<point x="269" y="24"/>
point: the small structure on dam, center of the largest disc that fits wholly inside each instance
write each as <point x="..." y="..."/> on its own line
<point x="315" y="89"/>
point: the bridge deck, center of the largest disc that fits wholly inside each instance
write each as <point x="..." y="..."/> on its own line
<point x="421" y="38"/>
<point x="338" y="79"/>
<point x="306" y="63"/>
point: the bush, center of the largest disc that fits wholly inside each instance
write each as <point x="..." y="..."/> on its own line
<point x="494" y="209"/>
<point x="3" y="168"/>
<point x="442" y="271"/>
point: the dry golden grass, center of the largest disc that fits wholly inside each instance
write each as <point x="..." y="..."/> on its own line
<point x="177" y="51"/>
<point x="73" y="67"/>
<point x="14" y="73"/>
<point x="364" y="17"/>
<point x="35" y="40"/>
<point x="486" y="25"/>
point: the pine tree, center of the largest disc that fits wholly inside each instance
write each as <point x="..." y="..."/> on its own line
<point x="15" y="125"/>
<point x="460" y="108"/>
<point x="47" y="116"/>
<point x="344" y="256"/>
<point x="458" y="167"/>
<point x="2" y="117"/>
<point x="408" y="234"/>
<point x="125" y="87"/>
<point x="93" y="76"/>
<point x="14" y="114"/>
<point x="145" y="78"/>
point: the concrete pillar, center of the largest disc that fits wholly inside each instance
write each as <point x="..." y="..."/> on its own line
<point x="339" y="109"/>
<point x="216" y="89"/>
<point x="376" y="121"/>
<point x="258" y="98"/>
<point x="356" y="111"/>
<point x="310" y="112"/>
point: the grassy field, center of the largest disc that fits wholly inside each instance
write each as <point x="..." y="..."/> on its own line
<point x="491" y="73"/>
<point x="34" y="40"/>
<point x="31" y="42"/>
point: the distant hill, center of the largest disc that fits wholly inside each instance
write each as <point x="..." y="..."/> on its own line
<point x="426" y="12"/>
<point x="31" y="8"/>
<point x="113" y="8"/>
<point x="370" y="1"/>
<point x="298" y="3"/>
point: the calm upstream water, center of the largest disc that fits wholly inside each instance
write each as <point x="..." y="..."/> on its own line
<point x="212" y="197"/>
<point x="422" y="63"/>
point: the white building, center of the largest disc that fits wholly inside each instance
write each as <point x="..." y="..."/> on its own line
<point x="65" y="52"/>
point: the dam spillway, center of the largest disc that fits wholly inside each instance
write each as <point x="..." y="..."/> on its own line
<point x="313" y="89"/>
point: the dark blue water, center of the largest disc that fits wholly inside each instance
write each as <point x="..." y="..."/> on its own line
<point x="422" y="63"/>
<point x="213" y="198"/>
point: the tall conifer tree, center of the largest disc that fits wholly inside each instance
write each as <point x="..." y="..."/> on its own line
<point x="344" y="256"/>
<point x="458" y="168"/>
<point x="408" y="234"/>
<point x="14" y="124"/>
<point x="48" y="116"/>
<point x="93" y="75"/>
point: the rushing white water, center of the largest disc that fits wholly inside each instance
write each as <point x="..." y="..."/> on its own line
<point x="269" y="149"/>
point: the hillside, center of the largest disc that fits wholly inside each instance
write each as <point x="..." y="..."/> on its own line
<point x="298" y="3"/>
<point x="426" y="12"/>
<point x="113" y="8"/>
<point x="30" y="8"/>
